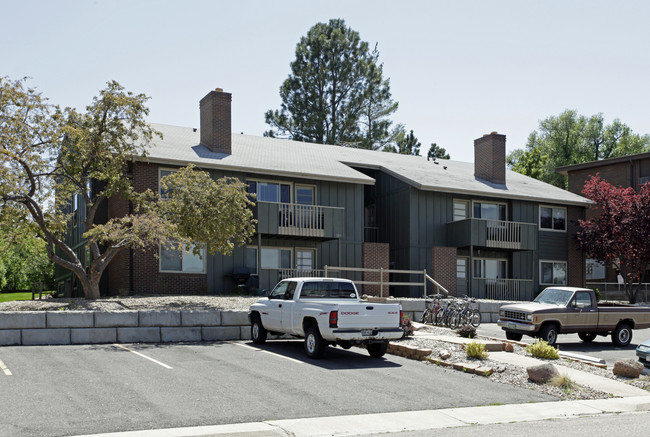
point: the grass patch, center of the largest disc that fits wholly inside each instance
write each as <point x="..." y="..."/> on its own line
<point x="9" y="297"/>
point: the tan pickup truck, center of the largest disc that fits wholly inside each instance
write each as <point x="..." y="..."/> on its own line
<point x="566" y="310"/>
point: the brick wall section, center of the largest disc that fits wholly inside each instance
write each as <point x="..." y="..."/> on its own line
<point x="375" y="256"/>
<point x="443" y="267"/>
<point x="490" y="158"/>
<point x="119" y="269"/>
<point x="576" y="262"/>
<point x="147" y="278"/>
<point x="215" y="121"/>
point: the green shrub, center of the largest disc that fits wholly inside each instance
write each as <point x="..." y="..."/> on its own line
<point x="467" y="331"/>
<point x="476" y="350"/>
<point x="541" y="349"/>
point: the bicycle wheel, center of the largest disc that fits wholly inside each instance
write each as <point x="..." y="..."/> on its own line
<point x="426" y="316"/>
<point x="440" y="317"/>
<point x="475" y="318"/>
<point x="454" y="319"/>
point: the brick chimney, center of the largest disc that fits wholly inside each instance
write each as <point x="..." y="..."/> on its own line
<point x="215" y="121"/>
<point x="490" y="158"/>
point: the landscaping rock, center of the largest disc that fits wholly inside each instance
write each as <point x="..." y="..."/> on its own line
<point x="444" y="354"/>
<point x="509" y="347"/>
<point x="628" y="368"/>
<point x="542" y="373"/>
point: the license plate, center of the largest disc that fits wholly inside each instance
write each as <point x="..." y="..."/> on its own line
<point x="512" y="326"/>
<point x="366" y="332"/>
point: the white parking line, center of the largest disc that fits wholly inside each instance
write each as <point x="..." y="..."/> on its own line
<point x="143" y="356"/>
<point x="266" y="352"/>
<point x="5" y="369"/>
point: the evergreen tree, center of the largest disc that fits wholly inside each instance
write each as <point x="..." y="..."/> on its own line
<point x="336" y="92"/>
<point x="436" y="152"/>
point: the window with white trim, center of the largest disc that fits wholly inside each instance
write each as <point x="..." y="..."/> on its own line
<point x="552" y="218"/>
<point x="272" y="258"/>
<point x="490" y="268"/>
<point x="162" y="172"/>
<point x="552" y="272"/>
<point x="461" y="209"/>
<point x="270" y="191"/>
<point x="490" y="210"/>
<point x="175" y="259"/>
<point x="595" y="269"/>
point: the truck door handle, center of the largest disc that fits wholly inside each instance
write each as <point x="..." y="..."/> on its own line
<point x="370" y="308"/>
<point x="280" y="306"/>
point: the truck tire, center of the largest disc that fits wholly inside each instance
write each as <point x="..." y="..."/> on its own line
<point x="587" y="337"/>
<point x="377" y="350"/>
<point x="314" y="343"/>
<point x="548" y="333"/>
<point x="258" y="332"/>
<point x="622" y="335"/>
<point x="513" y="336"/>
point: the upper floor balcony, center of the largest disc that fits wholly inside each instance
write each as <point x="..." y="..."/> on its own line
<point x="297" y="220"/>
<point x="497" y="234"/>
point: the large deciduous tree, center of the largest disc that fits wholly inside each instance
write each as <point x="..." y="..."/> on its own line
<point x="620" y="234"/>
<point x="571" y="138"/>
<point x="59" y="166"/>
<point x="336" y="92"/>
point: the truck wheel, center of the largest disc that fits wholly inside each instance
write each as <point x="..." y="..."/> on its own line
<point x="377" y="350"/>
<point x="622" y="335"/>
<point x="549" y="334"/>
<point x="314" y="343"/>
<point x="513" y="336"/>
<point x="258" y="333"/>
<point x="587" y="337"/>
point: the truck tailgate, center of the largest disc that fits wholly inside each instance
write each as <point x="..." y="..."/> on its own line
<point x="368" y="316"/>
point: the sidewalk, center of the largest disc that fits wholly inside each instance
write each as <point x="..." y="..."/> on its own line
<point x="389" y="423"/>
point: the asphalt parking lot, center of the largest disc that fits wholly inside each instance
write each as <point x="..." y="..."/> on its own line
<point x="69" y="390"/>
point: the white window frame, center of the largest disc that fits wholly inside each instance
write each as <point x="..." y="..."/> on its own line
<point x="491" y="203"/>
<point x="589" y="269"/>
<point x="468" y="209"/>
<point x="295" y="194"/>
<point x="550" y="261"/>
<point x="488" y="259"/>
<point x="272" y="181"/>
<point x="539" y="215"/>
<point x="258" y="258"/>
<point x="160" y="170"/>
<point x="304" y="249"/>
<point x="181" y="271"/>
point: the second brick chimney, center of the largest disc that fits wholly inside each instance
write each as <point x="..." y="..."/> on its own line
<point x="490" y="158"/>
<point x="215" y="121"/>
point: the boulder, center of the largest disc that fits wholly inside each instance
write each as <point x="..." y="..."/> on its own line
<point x="509" y="347"/>
<point x="542" y="373"/>
<point x="628" y="368"/>
<point x="444" y="354"/>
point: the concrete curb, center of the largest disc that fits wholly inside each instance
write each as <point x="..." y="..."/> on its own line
<point x="409" y="421"/>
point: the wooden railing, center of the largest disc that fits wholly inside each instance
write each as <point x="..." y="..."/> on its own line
<point x="503" y="235"/>
<point x="504" y="289"/>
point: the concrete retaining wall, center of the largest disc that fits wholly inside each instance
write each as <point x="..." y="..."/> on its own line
<point x="93" y="327"/>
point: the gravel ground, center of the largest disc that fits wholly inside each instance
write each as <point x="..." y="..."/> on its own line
<point x="504" y="373"/>
<point x="516" y="375"/>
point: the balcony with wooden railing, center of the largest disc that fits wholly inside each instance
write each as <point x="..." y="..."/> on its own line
<point x="502" y="289"/>
<point x="498" y="234"/>
<point x="295" y="220"/>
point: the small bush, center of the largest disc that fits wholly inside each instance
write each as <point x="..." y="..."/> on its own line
<point x="563" y="382"/>
<point x="467" y="331"/>
<point x="476" y="350"/>
<point x="541" y="349"/>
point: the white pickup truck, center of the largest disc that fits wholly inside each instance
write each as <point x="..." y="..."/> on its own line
<point x="325" y="311"/>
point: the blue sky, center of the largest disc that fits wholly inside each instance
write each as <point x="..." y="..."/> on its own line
<point x="458" y="69"/>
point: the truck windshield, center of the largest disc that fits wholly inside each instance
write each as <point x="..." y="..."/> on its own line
<point x="554" y="296"/>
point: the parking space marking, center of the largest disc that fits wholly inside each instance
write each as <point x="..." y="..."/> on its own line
<point x="143" y="356"/>
<point x="5" y="369"/>
<point x="267" y="352"/>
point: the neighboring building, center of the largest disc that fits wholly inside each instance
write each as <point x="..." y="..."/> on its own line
<point x="477" y="229"/>
<point x="626" y="171"/>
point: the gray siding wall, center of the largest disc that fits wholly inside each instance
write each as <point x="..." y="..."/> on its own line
<point x="337" y="194"/>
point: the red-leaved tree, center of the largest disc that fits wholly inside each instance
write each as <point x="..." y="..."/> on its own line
<point x="619" y="235"/>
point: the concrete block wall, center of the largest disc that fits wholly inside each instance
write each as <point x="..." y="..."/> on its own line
<point x="95" y="327"/>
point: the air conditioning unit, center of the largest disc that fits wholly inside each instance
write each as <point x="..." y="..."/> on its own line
<point x="644" y="179"/>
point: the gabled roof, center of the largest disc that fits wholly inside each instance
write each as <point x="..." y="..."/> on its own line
<point x="277" y="157"/>
<point x="602" y="163"/>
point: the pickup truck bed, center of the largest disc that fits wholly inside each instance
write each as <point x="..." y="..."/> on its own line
<point x="325" y="312"/>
